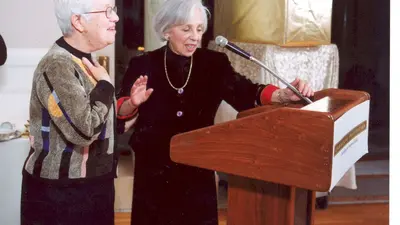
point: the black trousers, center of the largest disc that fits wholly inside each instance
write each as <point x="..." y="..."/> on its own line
<point x="82" y="203"/>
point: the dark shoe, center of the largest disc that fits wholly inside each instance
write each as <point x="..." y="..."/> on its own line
<point x="321" y="202"/>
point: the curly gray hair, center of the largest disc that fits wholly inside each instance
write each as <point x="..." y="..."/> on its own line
<point x="177" y="12"/>
<point x="64" y="9"/>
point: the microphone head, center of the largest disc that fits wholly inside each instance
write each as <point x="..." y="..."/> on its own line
<point x="221" y="41"/>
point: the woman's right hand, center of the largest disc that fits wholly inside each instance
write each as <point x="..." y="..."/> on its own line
<point x="139" y="94"/>
<point x="97" y="71"/>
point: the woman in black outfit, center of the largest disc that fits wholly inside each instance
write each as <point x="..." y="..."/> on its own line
<point x="175" y="89"/>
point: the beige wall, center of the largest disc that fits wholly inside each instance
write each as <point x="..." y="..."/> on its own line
<point x="28" y="24"/>
<point x="151" y="41"/>
<point x="32" y="24"/>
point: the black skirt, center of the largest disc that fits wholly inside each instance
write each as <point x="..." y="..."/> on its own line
<point x="166" y="193"/>
<point x="78" y="203"/>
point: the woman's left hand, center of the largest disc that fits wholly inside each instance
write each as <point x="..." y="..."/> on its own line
<point x="304" y="88"/>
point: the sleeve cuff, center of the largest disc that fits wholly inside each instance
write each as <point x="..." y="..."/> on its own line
<point x="120" y="101"/>
<point x="103" y="92"/>
<point x="266" y="93"/>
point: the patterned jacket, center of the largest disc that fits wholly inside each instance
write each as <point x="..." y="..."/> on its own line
<point x="71" y="119"/>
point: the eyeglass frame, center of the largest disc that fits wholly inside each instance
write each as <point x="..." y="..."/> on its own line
<point x="113" y="9"/>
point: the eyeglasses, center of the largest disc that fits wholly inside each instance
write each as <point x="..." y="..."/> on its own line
<point x="108" y="11"/>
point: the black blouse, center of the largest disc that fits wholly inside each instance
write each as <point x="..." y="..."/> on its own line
<point x="167" y="112"/>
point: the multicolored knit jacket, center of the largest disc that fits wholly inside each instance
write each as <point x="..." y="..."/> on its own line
<point x="71" y="119"/>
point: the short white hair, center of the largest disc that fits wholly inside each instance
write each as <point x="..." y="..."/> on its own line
<point x="177" y="12"/>
<point x="64" y="9"/>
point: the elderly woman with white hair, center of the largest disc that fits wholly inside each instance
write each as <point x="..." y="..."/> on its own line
<point x="69" y="172"/>
<point x="174" y="89"/>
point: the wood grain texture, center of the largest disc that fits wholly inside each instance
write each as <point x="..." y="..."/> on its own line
<point x="255" y="202"/>
<point x="277" y="157"/>
<point x="368" y="214"/>
<point x="284" y="145"/>
<point x="341" y="100"/>
<point x="311" y="206"/>
<point x="287" y="146"/>
<point x="356" y="214"/>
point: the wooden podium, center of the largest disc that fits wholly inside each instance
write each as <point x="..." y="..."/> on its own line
<point x="276" y="156"/>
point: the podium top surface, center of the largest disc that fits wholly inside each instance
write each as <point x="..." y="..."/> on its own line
<point x="286" y="145"/>
<point x="327" y="104"/>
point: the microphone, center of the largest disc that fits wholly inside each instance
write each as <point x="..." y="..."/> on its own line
<point x="224" y="43"/>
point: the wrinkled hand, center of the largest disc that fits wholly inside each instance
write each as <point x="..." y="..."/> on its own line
<point x="139" y="94"/>
<point x="97" y="71"/>
<point x="301" y="86"/>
